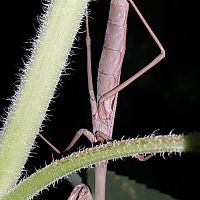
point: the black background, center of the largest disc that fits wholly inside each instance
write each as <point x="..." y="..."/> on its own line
<point x="165" y="98"/>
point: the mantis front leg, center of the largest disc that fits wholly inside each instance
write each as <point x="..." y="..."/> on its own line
<point x="80" y="192"/>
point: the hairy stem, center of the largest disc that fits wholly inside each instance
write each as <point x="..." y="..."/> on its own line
<point x="61" y="168"/>
<point x="59" y="26"/>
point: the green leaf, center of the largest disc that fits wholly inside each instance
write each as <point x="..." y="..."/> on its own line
<point x="124" y="188"/>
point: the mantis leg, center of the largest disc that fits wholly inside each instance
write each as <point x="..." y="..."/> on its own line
<point x="102" y="136"/>
<point x="143" y="158"/>
<point x="78" y="134"/>
<point x="89" y="71"/>
<point x="97" y="137"/>
<point x="49" y="143"/>
<point x="81" y="192"/>
<point x="146" y="68"/>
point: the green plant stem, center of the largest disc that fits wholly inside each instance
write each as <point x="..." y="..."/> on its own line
<point x="61" y="168"/>
<point x="59" y="26"/>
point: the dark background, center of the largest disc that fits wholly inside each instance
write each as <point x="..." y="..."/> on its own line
<point x="165" y="98"/>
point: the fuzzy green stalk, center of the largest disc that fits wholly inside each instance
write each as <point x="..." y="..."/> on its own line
<point x="132" y="147"/>
<point x="55" y="37"/>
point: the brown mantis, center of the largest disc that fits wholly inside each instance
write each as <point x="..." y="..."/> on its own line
<point x="103" y="105"/>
